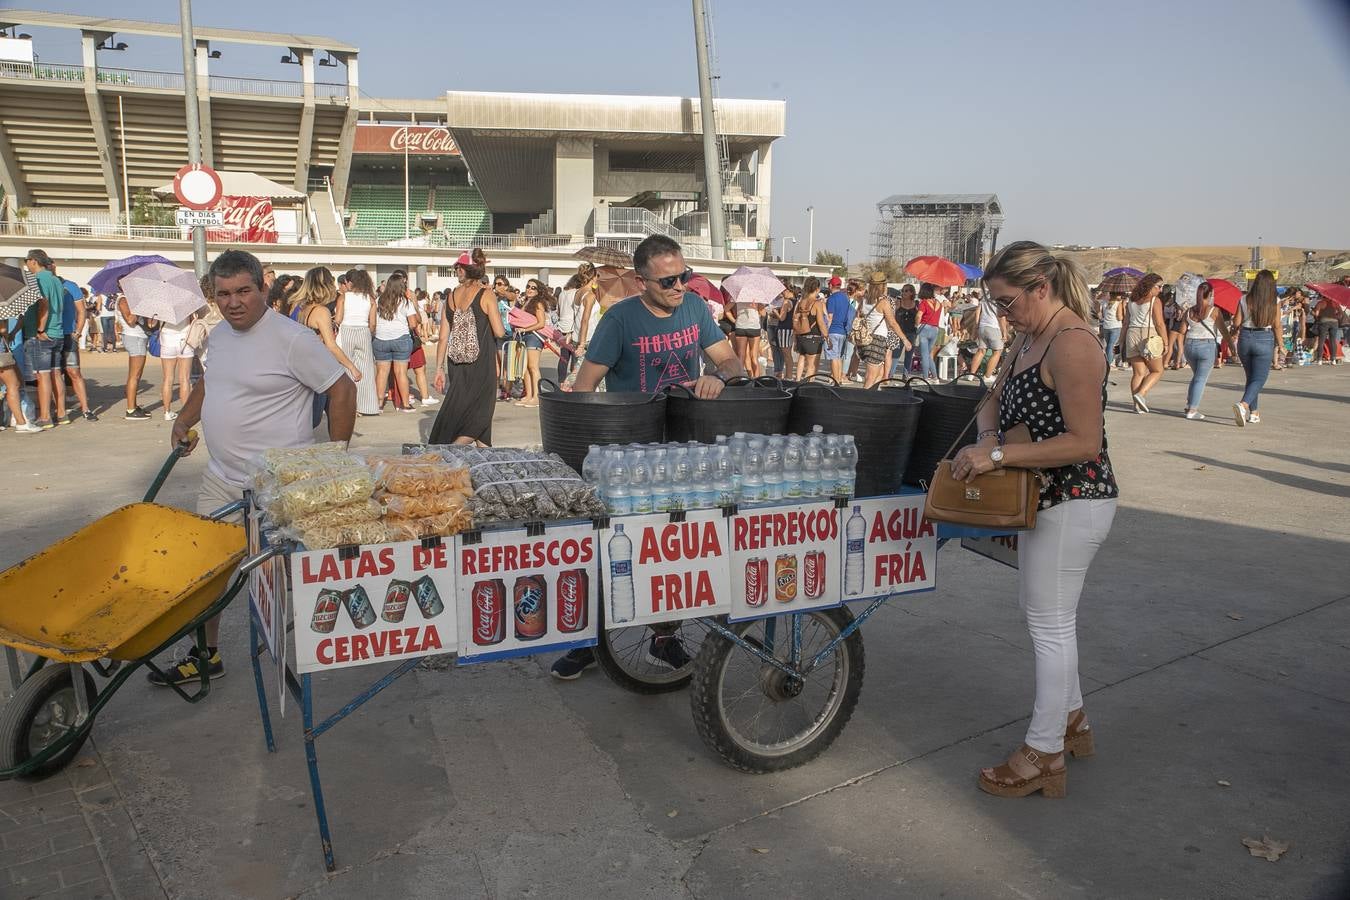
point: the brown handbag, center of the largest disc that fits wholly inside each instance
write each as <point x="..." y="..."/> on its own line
<point x="1003" y="498"/>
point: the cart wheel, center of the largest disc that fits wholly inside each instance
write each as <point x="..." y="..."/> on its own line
<point x="757" y="717"/>
<point x="41" y="713"/>
<point x="623" y="654"/>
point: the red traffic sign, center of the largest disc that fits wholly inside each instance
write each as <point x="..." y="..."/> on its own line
<point x="197" y="186"/>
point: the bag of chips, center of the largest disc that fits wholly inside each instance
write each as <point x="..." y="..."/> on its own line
<point x="287" y="503"/>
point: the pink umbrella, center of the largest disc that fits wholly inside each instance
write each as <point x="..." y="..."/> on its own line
<point x="758" y="286"/>
<point x="163" y="291"/>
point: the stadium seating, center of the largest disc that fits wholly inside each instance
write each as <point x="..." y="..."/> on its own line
<point x="462" y="210"/>
<point x="378" y="211"/>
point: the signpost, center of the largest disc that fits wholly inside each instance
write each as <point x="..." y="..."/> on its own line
<point x="194" y="140"/>
<point x="199" y="218"/>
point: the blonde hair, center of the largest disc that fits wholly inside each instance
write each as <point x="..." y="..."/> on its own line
<point x="1025" y="264"/>
<point x="318" y="287"/>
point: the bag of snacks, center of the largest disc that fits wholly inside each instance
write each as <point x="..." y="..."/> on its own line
<point x="366" y="510"/>
<point x="399" y="506"/>
<point x="286" y="503"/>
<point x="285" y="465"/>
<point x="413" y="477"/>
<point x="443" y="525"/>
<point x="519" y="485"/>
<point x="324" y="537"/>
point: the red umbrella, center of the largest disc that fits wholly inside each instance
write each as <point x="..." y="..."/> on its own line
<point x="704" y="288"/>
<point x="936" y="270"/>
<point x="1336" y="293"/>
<point x="1226" y="294"/>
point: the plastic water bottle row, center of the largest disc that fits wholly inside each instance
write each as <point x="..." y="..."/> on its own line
<point x="742" y="468"/>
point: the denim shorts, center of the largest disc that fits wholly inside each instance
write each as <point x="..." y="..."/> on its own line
<point x="7" y="360"/>
<point x="835" y="348"/>
<point x="397" y="350"/>
<point x="533" y="341"/>
<point x="70" y="352"/>
<point x="135" y="344"/>
<point x="42" y="355"/>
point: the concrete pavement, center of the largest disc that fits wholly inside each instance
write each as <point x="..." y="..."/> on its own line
<point x="1214" y="649"/>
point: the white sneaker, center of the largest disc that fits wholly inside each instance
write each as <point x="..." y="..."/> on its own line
<point x="1240" y="415"/>
<point x="26" y="428"/>
<point x="429" y="401"/>
<point x="169" y="416"/>
<point x="1254" y="417"/>
<point x="1195" y="415"/>
<point x="1139" y="405"/>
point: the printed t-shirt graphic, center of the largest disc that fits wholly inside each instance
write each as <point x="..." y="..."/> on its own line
<point x="645" y="352"/>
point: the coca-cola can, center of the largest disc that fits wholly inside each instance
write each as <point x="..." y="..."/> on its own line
<point x="785" y="578"/>
<point x="326" y="610"/>
<point x="756" y="581"/>
<point x="358" y="606"/>
<point x="428" y="597"/>
<point x="813" y="574"/>
<point x="573" y="596"/>
<point x="396" y="597"/>
<point x="530" y="604"/>
<point x="487" y="601"/>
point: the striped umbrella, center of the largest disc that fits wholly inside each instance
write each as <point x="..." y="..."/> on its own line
<point x="1121" y="283"/>
<point x="18" y="291"/>
<point x="604" y="256"/>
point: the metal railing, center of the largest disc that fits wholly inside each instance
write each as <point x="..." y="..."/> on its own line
<point x="330" y="89"/>
<point x="41" y="71"/>
<point x="106" y="231"/>
<point x="164" y="81"/>
<point x="170" y="81"/>
<point x="745" y="181"/>
<point x="226" y="84"/>
<point x="636" y="220"/>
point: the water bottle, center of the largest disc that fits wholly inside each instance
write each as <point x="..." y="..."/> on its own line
<point x="705" y="491"/>
<point x="618" y="497"/>
<point x="752" y="475"/>
<point x="773" y="469"/>
<point x="831" y="474"/>
<point x="661" y="489"/>
<point x="812" y="460"/>
<point x="681" y="479"/>
<point x="849" y="466"/>
<point x="724" y="480"/>
<point x="640" y="481"/>
<point x="792" y="468"/>
<point x="855" y="532"/>
<point x="622" y="600"/>
<point x="590" y="468"/>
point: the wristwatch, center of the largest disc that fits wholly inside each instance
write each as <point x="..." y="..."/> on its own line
<point x="996" y="457"/>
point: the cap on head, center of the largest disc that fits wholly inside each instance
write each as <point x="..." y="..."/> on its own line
<point x="835" y="281"/>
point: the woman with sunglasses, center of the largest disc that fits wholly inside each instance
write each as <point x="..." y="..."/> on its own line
<point x="1144" y="342"/>
<point x="538" y="303"/>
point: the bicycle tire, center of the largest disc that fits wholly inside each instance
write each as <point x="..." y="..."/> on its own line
<point x="614" y="652"/>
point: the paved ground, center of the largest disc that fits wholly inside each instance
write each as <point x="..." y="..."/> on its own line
<point x="1215" y="649"/>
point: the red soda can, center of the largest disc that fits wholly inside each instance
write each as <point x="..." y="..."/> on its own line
<point x="573" y="596"/>
<point x="756" y="581"/>
<point x="488" y="603"/>
<point x="326" y="610"/>
<point x="396" y="597"/>
<point x="358" y="605"/>
<point x="813" y="574"/>
<point x="530" y="603"/>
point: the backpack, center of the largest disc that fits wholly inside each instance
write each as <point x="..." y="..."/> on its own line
<point x="801" y="319"/>
<point x="859" y="334"/>
<point x="463" y="344"/>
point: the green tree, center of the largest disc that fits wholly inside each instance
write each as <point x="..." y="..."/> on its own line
<point x="894" y="271"/>
<point x="146" y="209"/>
<point x="830" y="258"/>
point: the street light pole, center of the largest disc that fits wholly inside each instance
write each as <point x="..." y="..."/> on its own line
<point x="811" y="235"/>
<point x="846" y="251"/>
<point x="194" y="125"/>
<point x="712" y="165"/>
<point x="782" y="253"/>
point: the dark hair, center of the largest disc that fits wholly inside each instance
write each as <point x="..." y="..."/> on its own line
<point x="477" y="268"/>
<point x="237" y="262"/>
<point x="543" y="294"/>
<point x="358" y="282"/>
<point x="1202" y="294"/>
<point x="1262" y="306"/>
<point x="926" y="291"/>
<point x="572" y="283"/>
<point x="394" y="293"/>
<point x="585" y="272"/>
<point x="1144" y="286"/>
<point x="280" y="294"/>
<point x="41" y="258"/>
<point x="655" y="245"/>
<point x="811" y="285"/>
<point x="853" y="285"/>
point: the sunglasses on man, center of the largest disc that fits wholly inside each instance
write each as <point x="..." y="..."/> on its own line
<point x="670" y="280"/>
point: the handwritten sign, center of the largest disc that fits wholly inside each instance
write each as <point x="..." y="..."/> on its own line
<point x="517" y="595"/>
<point x="386" y="603"/>
<point x="656" y="570"/>
<point x="784" y="559"/>
<point x="888" y="548"/>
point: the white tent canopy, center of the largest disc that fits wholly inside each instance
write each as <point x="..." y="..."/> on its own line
<point x="246" y="184"/>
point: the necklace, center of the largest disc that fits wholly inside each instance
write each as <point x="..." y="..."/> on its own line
<point x="1037" y="336"/>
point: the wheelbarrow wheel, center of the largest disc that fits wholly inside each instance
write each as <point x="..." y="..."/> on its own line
<point x="624" y="654"/>
<point x="42" y="712"/>
<point x="757" y="717"/>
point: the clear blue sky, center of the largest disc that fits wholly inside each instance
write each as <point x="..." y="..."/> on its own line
<point x="1144" y="124"/>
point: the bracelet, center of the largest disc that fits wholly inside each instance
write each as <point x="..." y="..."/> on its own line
<point x="992" y="432"/>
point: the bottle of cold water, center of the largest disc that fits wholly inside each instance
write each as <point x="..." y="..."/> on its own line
<point x="705" y="491"/>
<point x="752" y="475"/>
<point x="849" y="465"/>
<point x="590" y="468"/>
<point x="622" y="600"/>
<point x="773" y="469"/>
<point x="681" y="479"/>
<point x="640" y="481"/>
<point x="724" y="481"/>
<point x="661" y="488"/>
<point x="618" y="496"/>
<point x="792" y="468"/>
<point x="832" y="475"/>
<point x="854" y="557"/>
<point x="812" y="460"/>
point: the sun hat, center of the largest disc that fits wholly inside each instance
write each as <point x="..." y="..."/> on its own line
<point x="878" y="277"/>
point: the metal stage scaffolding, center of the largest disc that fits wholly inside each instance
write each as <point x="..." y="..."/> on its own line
<point x="960" y="227"/>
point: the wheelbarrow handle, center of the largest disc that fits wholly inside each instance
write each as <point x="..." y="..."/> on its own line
<point x="174" y="455"/>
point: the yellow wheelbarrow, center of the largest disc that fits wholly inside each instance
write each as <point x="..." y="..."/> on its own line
<point x="112" y="596"/>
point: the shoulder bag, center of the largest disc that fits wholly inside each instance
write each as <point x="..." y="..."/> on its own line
<point x="1004" y="498"/>
<point x="859" y="333"/>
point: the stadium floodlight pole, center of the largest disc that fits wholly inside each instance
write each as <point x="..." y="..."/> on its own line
<point x="194" y="124"/>
<point x="811" y="235"/>
<point x="712" y="166"/>
<point x="782" y="256"/>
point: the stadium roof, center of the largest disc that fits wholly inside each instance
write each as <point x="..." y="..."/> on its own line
<point x="10" y="17"/>
<point x="949" y="199"/>
<point x="607" y="114"/>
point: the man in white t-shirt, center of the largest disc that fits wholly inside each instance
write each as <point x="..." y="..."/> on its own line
<point x="257" y="394"/>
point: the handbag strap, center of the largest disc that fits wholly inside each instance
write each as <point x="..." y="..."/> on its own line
<point x="993" y="389"/>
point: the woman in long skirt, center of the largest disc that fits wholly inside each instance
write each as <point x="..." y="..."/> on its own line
<point x="466" y="358"/>
<point x="353" y="317"/>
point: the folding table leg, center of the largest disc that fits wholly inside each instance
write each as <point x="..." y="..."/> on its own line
<point x="312" y="760"/>
<point x="254" y="652"/>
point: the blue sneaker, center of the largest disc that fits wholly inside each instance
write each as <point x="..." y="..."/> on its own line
<point x="570" y="665"/>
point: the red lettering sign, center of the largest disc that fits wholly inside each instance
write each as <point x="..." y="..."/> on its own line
<point x="248" y="220"/>
<point x="419" y="140"/>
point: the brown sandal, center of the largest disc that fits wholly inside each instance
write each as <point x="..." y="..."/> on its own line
<point x="1078" y="735"/>
<point x="1050" y="777"/>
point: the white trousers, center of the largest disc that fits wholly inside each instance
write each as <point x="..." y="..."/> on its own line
<point x="1053" y="560"/>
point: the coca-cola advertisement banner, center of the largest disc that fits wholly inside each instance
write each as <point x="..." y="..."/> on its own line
<point x="656" y="570"/>
<point x="386" y="603"/>
<point x="518" y="595"/>
<point x="888" y="547"/>
<point x="248" y="220"/>
<point x="785" y="559"/>
<point x="417" y="140"/>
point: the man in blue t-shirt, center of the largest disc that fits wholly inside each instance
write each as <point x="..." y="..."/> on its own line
<point x="73" y="315"/>
<point x="841" y="314"/>
<point x="43" y="335"/>
<point x="657" y="338"/>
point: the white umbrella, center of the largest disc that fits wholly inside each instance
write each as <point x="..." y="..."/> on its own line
<point x="1185" y="289"/>
<point x="163" y="292"/>
<point x="759" y="286"/>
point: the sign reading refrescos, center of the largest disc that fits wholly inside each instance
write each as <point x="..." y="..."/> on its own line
<point x="383" y="603"/>
<point x="656" y="570"/>
<point x="518" y="595"/>
<point x="417" y="140"/>
<point x="888" y="548"/>
<point x="784" y="559"/>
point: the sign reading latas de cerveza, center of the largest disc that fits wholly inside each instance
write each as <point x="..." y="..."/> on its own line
<point x="419" y="140"/>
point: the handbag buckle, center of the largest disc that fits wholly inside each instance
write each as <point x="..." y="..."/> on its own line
<point x="972" y="492"/>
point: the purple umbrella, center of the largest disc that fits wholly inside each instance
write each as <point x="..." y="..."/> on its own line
<point x="1124" y="270"/>
<point x="105" y="279"/>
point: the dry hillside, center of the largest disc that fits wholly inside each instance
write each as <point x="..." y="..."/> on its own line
<point x="1221" y="262"/>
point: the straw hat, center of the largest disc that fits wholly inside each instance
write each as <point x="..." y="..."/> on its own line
<point x="878" y="277"/>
